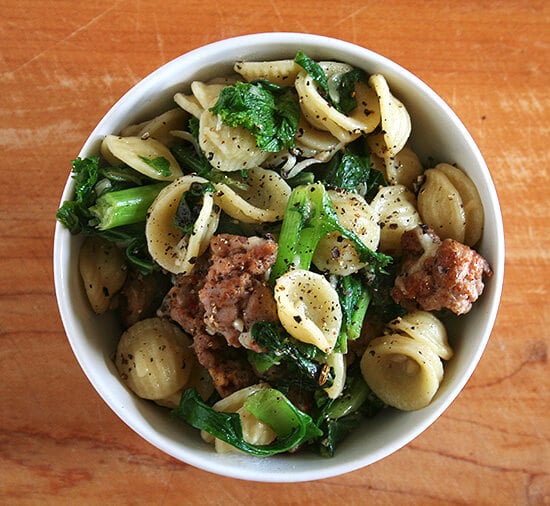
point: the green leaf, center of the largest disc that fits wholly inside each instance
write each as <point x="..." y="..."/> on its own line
<point x="313" y="69"/>
<point x="159" y="164"/>
<point x="353" y="173"/>
<point x="302" y="363"/>
<point x="292" y="426"/>
<point x="190" y="206"/>
<point x="272" y="117"/>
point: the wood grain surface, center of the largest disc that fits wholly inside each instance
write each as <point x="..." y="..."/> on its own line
<point x="64" y="63"/>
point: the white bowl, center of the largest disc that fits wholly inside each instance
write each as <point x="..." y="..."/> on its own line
<point x="437" y="133"/>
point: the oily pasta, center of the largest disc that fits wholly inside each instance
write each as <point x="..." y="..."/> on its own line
<point x="142" y="154"/>
<point x="337" y="255"/>
<point x="154" y="358"/>
<point x="159" y="127"/>
<point x="254" y="431"/>
<point x="172" y="249"/>
<point x="322" y="115"/>
<point x="403" y="367"/>
<point x="263" y="200"/>
<point x="308" y="308"/>
<point x="103" y="270"/>
<point x="463" y="216"/>
<point x="396" y="208"/>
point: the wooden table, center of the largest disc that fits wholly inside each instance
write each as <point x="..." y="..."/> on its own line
<point x="64" y="63"/>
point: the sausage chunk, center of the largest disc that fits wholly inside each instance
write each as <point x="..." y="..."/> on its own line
<point x="438" y="274"/>
<point x="236" y="293"/>
<point x="219" y="300"/>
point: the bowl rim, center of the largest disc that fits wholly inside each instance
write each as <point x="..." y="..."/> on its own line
<point x="61" y="237"/>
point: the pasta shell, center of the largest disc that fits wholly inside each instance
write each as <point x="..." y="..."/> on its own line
<point x="324" y="116"/>
<point x="313" y="142"/>
<point x="265" y="199"/>
<point x="167" y="244"/>
<point x="158" y="128"/>
<point x="189" y="103"/>
<point x="441" y="206"/>
<point x="308" y="308"/>
<point x="401" y="372"/>
<point x="154" y="358"/>
<point x="395" y="121"/>
<point x="403" y="168"/>
<point x="140" y="154"/>
<point x="206" y="94"/>
<point x="473" y="208"/>
<point x="338" y="363"/>
<point x="103" y="271"/>
<point x="254" y="431"/>
<point x="396" y="208"/>
<point x="281" y="72"/>
<point x="337" y="255"/>
<point x="228" y="148"/>
<point x="425" y="328"/>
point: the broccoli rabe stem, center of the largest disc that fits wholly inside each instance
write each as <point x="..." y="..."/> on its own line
<point x="124" y="207"/>
<point x="308" y="217"/>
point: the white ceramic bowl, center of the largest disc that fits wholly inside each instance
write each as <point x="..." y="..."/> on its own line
<point x="437" y="133"/>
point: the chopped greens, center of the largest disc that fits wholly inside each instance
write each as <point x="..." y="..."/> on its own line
<point x="190" y="206"/>
<point x="337" y="417"/>
<point x="111" y="202"/>
<point x="270" y="112"/>
<point x="292" y="426"/>
<point x="159" y="164"/>
<point x="301" y="363"/>
<point x="308" y="217"/>
<point x="339" y="89"/>
<point x="353" y="172"/>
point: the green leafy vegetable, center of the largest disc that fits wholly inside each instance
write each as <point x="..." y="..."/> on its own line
<point x="301" y="363"/>
<point x="352" y="171"/>
<point x="292" y="426"/>
<point x="315" y="70"/>
<point x="309" y="216"/>
<point x="159" y="164"/>
<point x="195" y="160"/>
<point x="339" y="89"/>
<point x="111" y="202"/>
<point x="354" y="298"/>
<point x="190" y="206"/>
<point x="337" y="417"/>
<point x="269" y="112"/>
<point x="342" y="89"/>
<point x="124" y="207"/>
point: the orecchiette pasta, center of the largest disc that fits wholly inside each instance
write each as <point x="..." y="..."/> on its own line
<point x="337" y="255"/>
<point x="168" y="245"/>
<point x="395" y="121"/>
<point x="396" y="208"/>
<point x="403" y="367"/>
<point x="281" y="72"/>
<point x="228" y="148"/>
<point x="264" y="200"/>
<point x="308" y="308"/>
<point x="103" y="271"/>
<point x="324" y="116"/>
<point x="441" y="206"/>
<point x="154" y="358"/>
<point x="337" y="362"/>
<point x="254" y="431"/>
<point x="189" y="103"/>
<point x="473" y="208"/>
<point x="403" y="168"/>
<point x="158" y="128"/>
<point x="148" y="156"/>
